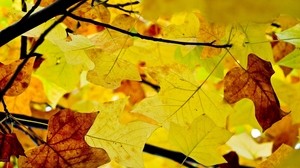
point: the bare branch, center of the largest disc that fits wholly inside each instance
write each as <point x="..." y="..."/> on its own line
<point x="57" y="8"/>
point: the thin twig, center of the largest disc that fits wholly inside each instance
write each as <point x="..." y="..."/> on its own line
<point x="121" y="6"/>
<point x="209" y="44"/>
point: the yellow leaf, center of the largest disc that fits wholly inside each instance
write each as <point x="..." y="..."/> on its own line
<point x="186" y="31"/>
<point x="123" y="142"/>
<point x="277" y="157"/>
<point x="182" y="99"/>
<point x="245" y="146"/>
<point x="201" y="140"/>
<point x="110" y="69"/>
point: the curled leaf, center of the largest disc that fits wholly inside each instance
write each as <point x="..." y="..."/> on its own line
<point x="254" y="83"/>
<point x="65" y="146"/>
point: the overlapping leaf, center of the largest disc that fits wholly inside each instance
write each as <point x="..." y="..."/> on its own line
<point x="201" y="140"/>
<point x="22" y="80"/>
<point x="182" y="99"/>
<point x="110" y="69"/>
<point x="65" y="145"/>
<point x="244" y="145"/>
<point x="124" y="143"/>
<point x="254" y="83"/>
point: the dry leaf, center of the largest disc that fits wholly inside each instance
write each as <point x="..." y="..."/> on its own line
<point x="65" y="146"/>
<point x="9" y="145"/>
<point x="22" y="80"/>
<point x="254" y="83"/>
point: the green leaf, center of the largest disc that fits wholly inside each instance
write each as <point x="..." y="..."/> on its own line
<point x="291" y="35"/>
<point x="201" y="140"/>
<point x="291" y="60"/>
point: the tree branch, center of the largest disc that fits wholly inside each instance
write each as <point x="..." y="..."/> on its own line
<point x="43" y="124"/>
<point x="57" y="8"/>
<point x="210" y="44"/>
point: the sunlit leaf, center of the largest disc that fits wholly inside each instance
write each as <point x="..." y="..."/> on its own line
<point x="65" y="145"/>
<point x="200" y="140"/>
<point x="182" y="99"/>
<point x="291" y="35"/>
<point x="291" y="60"/>
<point x="289" y="94"/>
<point x="124" y="143"/>
<point x="254" y="83"/>
<point x="110" y="69"/>
<point x="245" y="146"/>
<point x="277" y="157"/>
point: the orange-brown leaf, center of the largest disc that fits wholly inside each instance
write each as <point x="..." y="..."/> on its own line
<point x="132" y="89"/>
<point x="9" y="145"/>
<point x="65" y="146"/>
<point x="22" y="80"/>
<point x="284" y="132"/>
<point x="254" y="83"/>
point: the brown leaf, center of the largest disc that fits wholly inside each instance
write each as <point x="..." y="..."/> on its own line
<point x="254" y="84"/>
<point x="9" y="145"/>
<point x="280" y="50"/>
<point x="65" y="146"/>
<point x="284" y="132"/>
<point x="22" y="80"/>
<point x="232" y="161"/>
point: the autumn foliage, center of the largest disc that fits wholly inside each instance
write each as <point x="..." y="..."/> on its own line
<point x="150" y="83"/>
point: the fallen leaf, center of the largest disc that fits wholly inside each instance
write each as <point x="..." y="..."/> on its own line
<point x="22" y="80"/>
<point x="124" y="143"/>
<point x="254" y="83"/>
<point x="65" y="145"/>
<point x="201" y="140"/>
<point x="10" y="145"/>
<point x="244" y="145"/>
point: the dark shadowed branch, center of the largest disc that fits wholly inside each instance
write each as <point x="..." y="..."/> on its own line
<point x="57" y="8"/>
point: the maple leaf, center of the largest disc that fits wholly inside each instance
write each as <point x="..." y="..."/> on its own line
<point x="124" y="143"/>
<point x="254" y="83"/>
<point x="22" y="80"/>
<point x="200" y="140"/>
<point x="10" y="145"/>
<point x="65" y="145"/>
